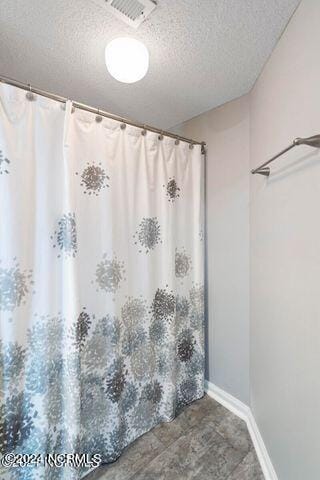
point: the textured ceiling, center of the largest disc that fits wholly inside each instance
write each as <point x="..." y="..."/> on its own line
<point x="202" y="52"/>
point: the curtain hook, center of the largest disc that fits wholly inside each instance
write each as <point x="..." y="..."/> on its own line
<point x="144" y="131"/>
<point x="98" y="117"/>
<point x="123" y="126"/>
<point x="191" y="146"/>
<point x="177" y="141"/>
<point x="73" y="109"/>
<point x="160" y="137"/>
<point x="29" y="95"/>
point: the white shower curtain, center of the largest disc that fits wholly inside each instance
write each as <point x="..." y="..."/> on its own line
<point x="101" y="282"/>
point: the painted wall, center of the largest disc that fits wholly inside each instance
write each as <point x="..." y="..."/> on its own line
<point x="284" y="248"/>
<point x="285" y="251"/>
<point x="226" y="131"/>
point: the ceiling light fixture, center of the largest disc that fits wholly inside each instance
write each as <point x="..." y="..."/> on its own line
<point x="127" y="59"/>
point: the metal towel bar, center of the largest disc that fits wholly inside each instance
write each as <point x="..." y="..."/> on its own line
<point x="311" y="141"/>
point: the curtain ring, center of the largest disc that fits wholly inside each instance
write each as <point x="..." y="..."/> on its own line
<point x="191" y="146"/>
<point x="98" y="117"/>
<point x="160" y="137"/>
<point x="29" y="95"/>
<point x="123" y="126"/>
<point x="144" y="131"/>
<point x="177" y="141"/>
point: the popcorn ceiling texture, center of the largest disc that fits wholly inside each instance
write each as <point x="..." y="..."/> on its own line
<point x="203" y="53"/>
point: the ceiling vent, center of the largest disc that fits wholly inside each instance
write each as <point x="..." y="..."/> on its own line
<point x="132" y="12"/>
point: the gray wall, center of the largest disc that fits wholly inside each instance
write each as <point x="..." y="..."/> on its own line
<point x="284" y="248"/>
<point x="285" y="252"/>
<point x="226" y="131"/>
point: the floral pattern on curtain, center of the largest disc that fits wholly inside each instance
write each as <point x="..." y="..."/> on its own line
<point x="101" y="282"/>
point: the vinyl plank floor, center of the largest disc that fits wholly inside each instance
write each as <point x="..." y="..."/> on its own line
<point x="204" y="442"/>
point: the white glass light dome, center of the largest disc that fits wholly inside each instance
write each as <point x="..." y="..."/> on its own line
<point x="127" y="59"/>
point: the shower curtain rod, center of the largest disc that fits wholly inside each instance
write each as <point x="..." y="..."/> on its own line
<point x="103" y="113"/>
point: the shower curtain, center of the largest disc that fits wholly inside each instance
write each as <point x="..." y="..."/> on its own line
<point x="101" y="283"/>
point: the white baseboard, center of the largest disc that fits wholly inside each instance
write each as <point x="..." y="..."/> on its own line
<point x="244" y="412"/>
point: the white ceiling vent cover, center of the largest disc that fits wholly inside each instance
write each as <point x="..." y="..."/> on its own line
<point x="132" y="12"/>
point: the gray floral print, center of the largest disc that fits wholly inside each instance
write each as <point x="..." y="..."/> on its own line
<point x="16" y="421"/>
<point x="142" y="414"/>
<point x="148" y="235"/>
<point x="117" y="440"/>
<point x="80" y="329"/>
<point x="15" y="284"/>
<point x="109" y="327"/>
<point x="182" y="308"/>
<point x="65" y="236"/>
<point x="187" y="391"/>
<point x="152" y="392"/>
<point x="165" y="363"/>
<point x="120" y="376"/>
<point x="4" y="163"/>
<point x="157" y="332"/>
<point x="133" y="338"/>
<point x="134" y="312"/>
<point x="197" y="298"/>
<point x="163" y="305"/>
<point x="129" y="397"/>
<point x="116" y="380"/>
<point x="143" y="362"/>
<point x="195" y="365"/>
<point x="172" y="190"/>
<point x="185" y="347"/>
<point x="197" y="306"/>
<point x="109" y="274"/>
<point x="12" y="361"/>
<point x="93" y="179"/>
<point x="182" y="263"/>
<point x="37" y="377"/>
